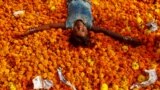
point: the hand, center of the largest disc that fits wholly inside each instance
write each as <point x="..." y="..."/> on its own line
<point x="127" y="38"/>
<point x="28" y="32"/>
<point x="132" y="41"/>
<point x="32" y="30"/>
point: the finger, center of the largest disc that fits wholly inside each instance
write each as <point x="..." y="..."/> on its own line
<point x="19" y="36"/>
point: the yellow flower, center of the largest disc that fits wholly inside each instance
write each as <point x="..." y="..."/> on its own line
<point x="12" y="86"/>
<point x="154" y="66"/>
<point x="157" y="11"/>
<point x="104" y="86"/>
<point x="115" y="87"/>
<point x="90" y="61"/>
<point x="149" y="16"/>
<point x="52" y="8"/>
<point x="135" y="66"/>
<point x="125" y="48"/>
<point x="141" y="78"/>
<point x="96" y="2"/>
<point x="147" y="32"/>
<point x="139" y="20"/>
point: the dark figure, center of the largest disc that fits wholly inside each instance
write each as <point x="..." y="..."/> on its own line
<point x="80" y="21"/>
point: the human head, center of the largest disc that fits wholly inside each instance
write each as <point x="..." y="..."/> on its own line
<point x="80" y="29"/>
<point x="79" y="35"/>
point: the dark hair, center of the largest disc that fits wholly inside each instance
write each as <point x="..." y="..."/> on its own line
<point x="76" y="40"/>
<point x="79" y="20"/>
<point x="79" y="41"/>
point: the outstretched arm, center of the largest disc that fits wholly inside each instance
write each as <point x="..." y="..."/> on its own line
<point x="44" y="27"/>
<point x="132" y="41"/>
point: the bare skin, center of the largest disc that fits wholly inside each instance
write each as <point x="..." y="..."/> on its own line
<point x="81" y="30"/>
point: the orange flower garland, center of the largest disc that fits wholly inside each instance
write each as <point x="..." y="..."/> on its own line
<point x="111" y="63"/>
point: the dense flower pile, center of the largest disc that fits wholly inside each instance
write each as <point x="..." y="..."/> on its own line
<point x="110" y="62"/>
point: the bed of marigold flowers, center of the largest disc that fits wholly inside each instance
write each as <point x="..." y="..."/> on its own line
<point x="117" y="64"/>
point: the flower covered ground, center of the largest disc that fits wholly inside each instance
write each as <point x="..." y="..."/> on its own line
<point x="110" y="62"/>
